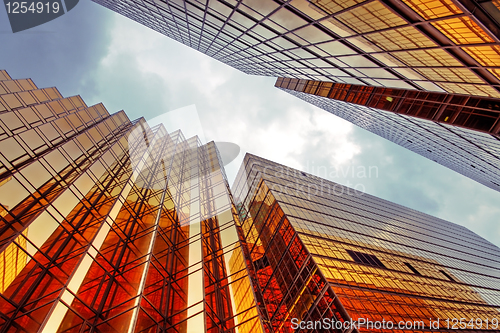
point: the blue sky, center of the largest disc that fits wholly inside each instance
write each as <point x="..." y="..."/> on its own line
<point x="104" y="57"/>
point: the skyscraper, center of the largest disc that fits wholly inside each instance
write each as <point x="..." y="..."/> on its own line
<point x="324" y="253"/>
<point x="449" y="47"/>
<point x="108" y="225"/>
<point x="434" y="45"/>
<point x="457" y="131"/>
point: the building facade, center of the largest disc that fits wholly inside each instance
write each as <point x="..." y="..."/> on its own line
<point x="466" y="142"/>
<point x="443" y="47"/>
<point x="324" y="253"/>
<point x="108" y="225"/>
<point x="434" y="45"/>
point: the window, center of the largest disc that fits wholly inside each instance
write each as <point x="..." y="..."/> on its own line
<point x="413" y="269"/>
<point x="364" y="258"/>
<point x="447" y="275"/>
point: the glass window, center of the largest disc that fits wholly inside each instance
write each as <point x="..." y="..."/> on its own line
<point x="431" y="9"/>
<point x="72" y="150"/>
<point x="12" y="101"/>
<point x="12" y="86"/>
<point x="29" y="115"/>
<point x="44" y="111"/>
<point x="429" y="86"/>
<point x="395" y="84"/>
<point x="495" y="71"/>
<point x="53" y="93"/>
<point x="376" y="73"/>
<point x="357" y="61"/>
<point x="283" y="43"/>
<point x="370" y="17"/>
<point x="287" y="19"/>
<point x="64" y="126"/>
<point x="450" y="74"/>
<point x="336" y="48"/>
<point x="11" y="121"/>
<point x="32" y="139"/>
<point x="463" y="30"/>
<point x="11" y="149"/>
<point x="40" y="95"/>
<point x="27" y="98"/>
<point x="36" y="174"/>
<point x="12" y="193"/>
<point x="26" y="84"/>
<point x="49" y="132"/>
<point x="333" y="6"/>
<point x="470" y="89"/>
<point x="337" y="27"/>
<point x="243" y="20"/>
<point x="313" y="35"/>
<point x="427" y="58"/>
<point x="250" y="12"/>
<point x="263" y="7"/>
<point x="485" y="55"/>
<point x="400" y="39"/>
<point x="307" y="8"/>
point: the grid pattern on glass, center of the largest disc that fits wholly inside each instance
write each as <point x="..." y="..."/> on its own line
<point x="112" y="226"/>
<point x="469" y="152"/>
<point x="481" y="114"/>
<point x="382" y="260"/>
<point x="338" y="41"/>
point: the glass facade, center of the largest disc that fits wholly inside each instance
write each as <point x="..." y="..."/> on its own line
<point x="439" y="52"/>
<point x="320" y="251"/>
<point x="476" y="113"/>
<point x="434" y="45"/>
<point x="108" y="225"/>
<point x="470" y="152"/>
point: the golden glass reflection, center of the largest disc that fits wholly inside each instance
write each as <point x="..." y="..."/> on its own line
<point x="427" y="58"/>
<point x="485" y="55"/>
<point x="450" y="74"/>
<point x="463" y="30"/>
<point x="431" y="9"/>
<point x="12" y="260"/>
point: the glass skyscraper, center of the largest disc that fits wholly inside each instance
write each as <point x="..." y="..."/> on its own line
<point x="447" y="47"/>
<point x="411" y="122"/>
<point x="108" y="225"/>
<point x="434" y="45"/>
<point x="325" y="253"/>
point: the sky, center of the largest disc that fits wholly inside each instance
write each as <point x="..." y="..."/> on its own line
<point x="104" y="57"/>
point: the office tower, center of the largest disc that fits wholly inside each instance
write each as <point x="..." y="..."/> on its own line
<point x="108" y="225"/>
<point x="441" y="46"/>
<point x="320" y="250"/>
<point x="458" y="131"/>
<point x="434" y="45"/>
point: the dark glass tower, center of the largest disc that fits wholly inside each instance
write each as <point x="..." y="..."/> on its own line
<point x="108" y="225"/>
<point x="457" y="131"/>
<point x="322" y="252"/>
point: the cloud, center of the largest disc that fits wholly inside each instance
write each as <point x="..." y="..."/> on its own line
<point x="58" y="53"/>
